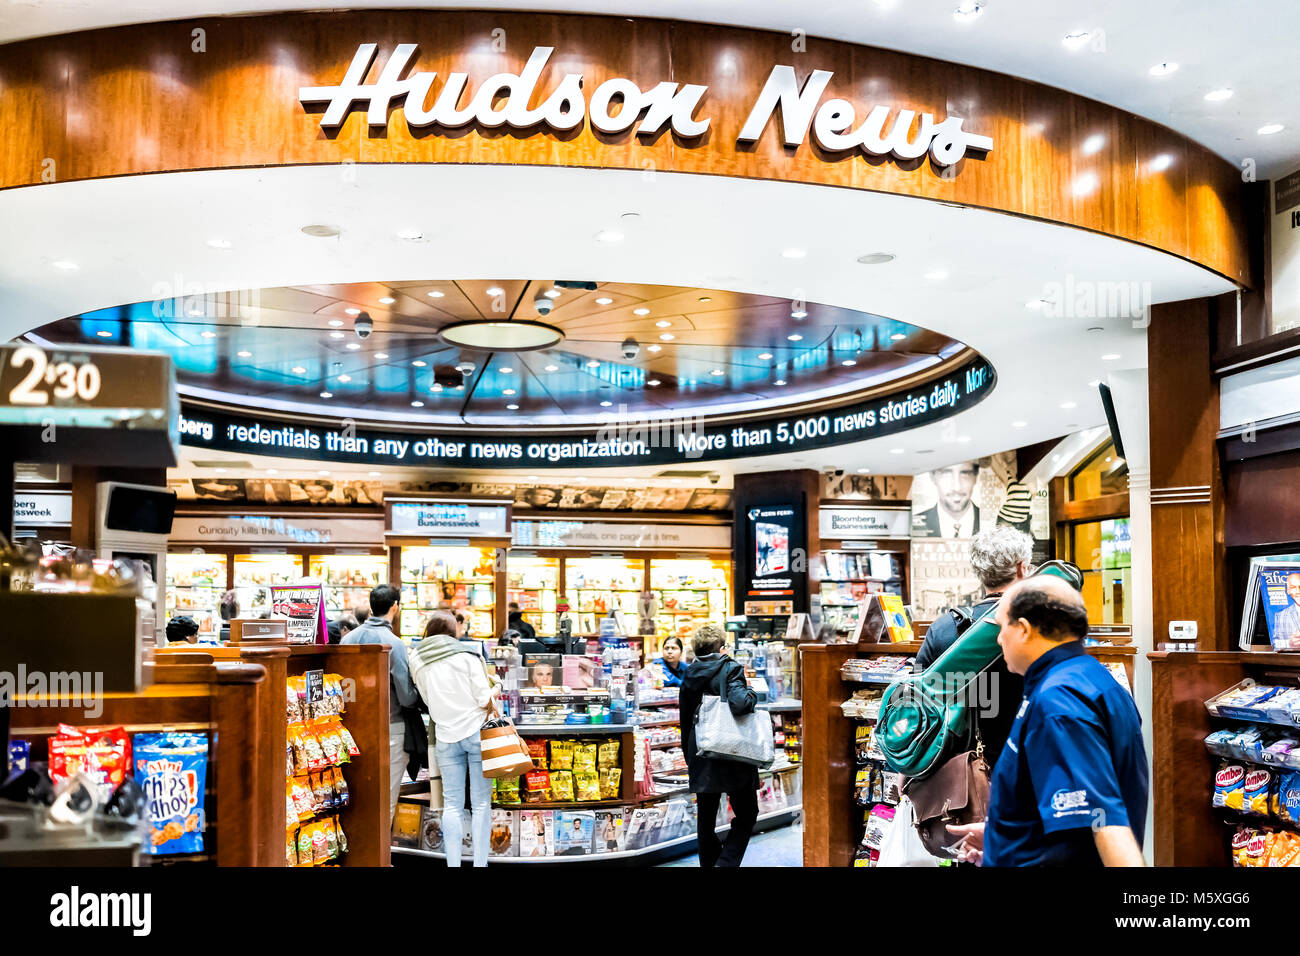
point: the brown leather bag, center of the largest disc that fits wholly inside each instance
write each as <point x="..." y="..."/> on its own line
<point x="957" y="793"/>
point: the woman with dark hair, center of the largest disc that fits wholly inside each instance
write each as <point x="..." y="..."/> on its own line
<point x="673" y="666"/>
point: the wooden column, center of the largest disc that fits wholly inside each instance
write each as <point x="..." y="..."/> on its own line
<point x="1186" y="482"/>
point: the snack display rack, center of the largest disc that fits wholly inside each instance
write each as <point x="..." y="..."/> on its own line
<point x="348" y="578"/>
<point x="460" y="578"/>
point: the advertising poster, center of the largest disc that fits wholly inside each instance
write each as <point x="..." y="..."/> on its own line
<point x="773" y="553"/>
<point x="942" y="577"/>
<point x="304" y="608"/>
<point x="958" y="501"/>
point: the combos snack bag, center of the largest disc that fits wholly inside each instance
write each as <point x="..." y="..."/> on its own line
<point x="1256" y="788"/>
<point x="1229" y="786"/>
<point x="102" y="753"/>
<point x="171" y="769"/>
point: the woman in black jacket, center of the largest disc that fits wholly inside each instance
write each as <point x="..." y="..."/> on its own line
<point x="711" y="777"/>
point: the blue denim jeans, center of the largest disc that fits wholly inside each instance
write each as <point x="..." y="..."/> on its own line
<point x="457" y="761"/>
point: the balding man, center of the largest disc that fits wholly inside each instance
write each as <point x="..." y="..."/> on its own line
<point x="1070" y="788"/>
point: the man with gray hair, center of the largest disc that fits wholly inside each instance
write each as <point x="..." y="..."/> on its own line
<point x="1000" y="557"/>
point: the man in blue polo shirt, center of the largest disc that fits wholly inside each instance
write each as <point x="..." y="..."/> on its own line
<point x="1070" y="788"/>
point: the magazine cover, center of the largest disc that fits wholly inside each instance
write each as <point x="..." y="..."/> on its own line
<point x="574" y="831"/>
<point x="504" y="839"/>
<point x="406" y="824"/>
<point x="536" y="832"/>
<point x="676" y="822"/>
<point x="643" y="830"/>
<point x="430" y="828"/>
<point x="303" y="604"/>
<point x="1279" y="589"/>
<point x="611" y="831"/>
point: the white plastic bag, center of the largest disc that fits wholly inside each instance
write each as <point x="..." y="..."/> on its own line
<point x="901" y="846"/>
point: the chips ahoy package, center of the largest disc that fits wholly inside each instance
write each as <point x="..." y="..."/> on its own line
<point x="171" y="769"/>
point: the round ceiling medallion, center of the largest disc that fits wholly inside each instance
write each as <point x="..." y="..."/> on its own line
<point x="523" y="335"/>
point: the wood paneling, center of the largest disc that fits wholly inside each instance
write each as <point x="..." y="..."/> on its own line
<point x="137" y="100"/>
<point x="1262" y="504"/>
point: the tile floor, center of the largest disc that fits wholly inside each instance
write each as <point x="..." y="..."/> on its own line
<point x="780" y="847"/>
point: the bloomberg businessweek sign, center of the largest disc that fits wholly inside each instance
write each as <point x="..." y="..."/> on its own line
<point x="619" y="441"/>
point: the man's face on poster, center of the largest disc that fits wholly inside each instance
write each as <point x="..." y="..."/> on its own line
<point x="1293" y="587"/>
<point x="955" y="485"/>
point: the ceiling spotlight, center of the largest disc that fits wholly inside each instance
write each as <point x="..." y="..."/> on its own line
<point x="376" y="474"/>
<point x="353" y="346"/>
<point x="1161" y="163"/>
<point x="1069" y="404"/>
<point x="381" y="355"/>
<point x="606" y="404"/>
<point x="717" y="371"/>
<point x="876" y="258"/>
<point x="272" y="471"/>
<point x="244" y="354"/>
<point x="345" y="379"/>
<point x="496" y="290"/>
<point x="1268" y="130"/>
<point x="320" y="231"/>
<point x="336" y="323"/>
<point x="64" y="264"/>
<point x="208" y="335"/>
<point x="593" y="364"/>
<point x="963" y="438"/>
<point x="298" y="370"/>
<point x="552" y="293"/>
<point x="641" y="311"/>
<point x="895" y="451"/>
<point x="220" y="243"/>
<point x="653" y="382"/>
<point x="386" y="300"/>
<point x="104" y="334"/>
<point x="1092" y="144"/>
<point x="1085" y="185"/>
<point x="864" y="471"/>
<point x="435" y="294"/>
<point x="418" y="364"/>
<point x="1076" y="39"/>
<point x="336" y="335"/>
<point x="410" y="234"/>
<point x="1163" y="69"/>
<point x="799" y="314"/>
<point x="609" y="235"/>
<point x="849" y="362"/>
<point x="505" y="370"/>
<point x="898" y="336"/>
<point x="1218" y="96"/>
<point x="1110" y="357"/>
<point x="508" y="391"/>
<point x="604" y="300"/>
<point x="653" y="348"/>
<point x="417" y="404"/>
<point x="779" y="381"/>
<point x="667" y="337"/>
<point x="552" y="368"/>
<point x="663" y="324"/>
<point x="937" y="275"/>
<point x="794" y="253"/>
<point x="706" y="298"/>
<point x="512" y="407"/>
<point x="1019" y="424"/>
<point x="764" y="356"/>
<point x="352" y="311"/>
<point x="795" y="337"/>
<point x="326" y="394"/>
<point x="323" y="471"/>
<point x="968" y="10"/>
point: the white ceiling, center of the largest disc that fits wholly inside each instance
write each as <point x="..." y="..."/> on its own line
<point x="139" y="238"/>
<point x="1246" y="47"/>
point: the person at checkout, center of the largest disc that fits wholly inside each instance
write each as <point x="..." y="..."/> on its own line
<point x="674" y="668"/>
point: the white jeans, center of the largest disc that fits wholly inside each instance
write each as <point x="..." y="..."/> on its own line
<point x="396" y="765"/>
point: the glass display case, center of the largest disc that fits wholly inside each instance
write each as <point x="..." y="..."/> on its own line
<point x="687" y="592"/>
<point x="348" y="579"/>
<point x="452" y="578"/>
<point x="534" y="583"/>
<point x="596" y="586"/>
<point x="195" y="583"/>
<point x="254" y="573"/>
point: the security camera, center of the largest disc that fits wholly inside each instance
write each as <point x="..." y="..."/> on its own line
<point x="363" y="325"/>
<point x="543" y="305"/>
<point x="631" y="348"/>
<point x="714" y="478"/>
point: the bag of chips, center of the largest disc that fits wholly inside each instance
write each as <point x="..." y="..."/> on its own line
<point x="507" y="789"/>
<point x="609" y="754"/>
<point x="588" y="782"/>
<point x="171" y="769"/>
<point x="102" y="753"/>
<point x="537" y="750"/>
<point x="562" y="754"/>
<point x="291" y="847"/>
<point x="341" y="795"/>
<point x="609" y="782"/>
<point x="584" y="757"/>
<point x="537" y="786"/>
<point x="1229" y="786"/>
<point x="349" y="745"/>
<point x="1257" y="787"/>
<point x="561" y="785"/>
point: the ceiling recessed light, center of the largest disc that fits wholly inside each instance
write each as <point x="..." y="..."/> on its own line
<point x="208" y="335"/>
<point x="381" y="355"/>
<point x="435" y="294"/>
<point x="937" y="275"/>
<point x="898" y="336"/>
<point x="968" y="10"/>
<point x="677" y="481"/>
<point x="779" y="381"/>
<point x="593" y="364"/>
<point x="864" y="471"/>
<point x="606" y="404"/>
<point x="219" y="243"/>
<point x="794" y="253"/>
<point x="345" y="379"/>
<point x="799" y="314"/>
<point x="386" y="300"/>
<point x="667" y="337"/>
<point x="532" y="477"/>
<point x="653" y="348"/>
<point x="795" y="337"/>
<point x="104" y="334"/>
<point x="221" y="471"/>
<point x="353" y="346"/>
<point x="1219" y="95"/>
<point x="849" y="362"/>
<point x="552" y="293"/>
<point x="1110" y="356"/>
<point x="508" y="391"/>
<point x="64" y="264"/>
<point x="706" y="298"/>
<point x="663" y="324"/>
<point x="604" y="300"/>
<point x="717" y="371"/>
<point x="505" y="369"/>
<point x="336" y="323"/>
<point x="512" y="407"/>
<point x="1076" y="39"/>
<point x="376" y="474"/>
<point x="298" y="370"/>
<point x="963" y="438"/>
<point x="1069" y="404"/>
<point x="764" y="356"/>
<point x="326" y="394"/>
<point x="1164" y="68"/>
<point x="243" y="354"/>
<point x="653" y="381"/>
<point x="352" y="311"/>
<point x="609" y="235"/>
<point x="630" y="216"/>
<point x="552" y="368"/>
<point x="417" y="404"/>
<point x="1092" y="144"/>
<point x="1019" y="424"/>
<point x="496" y="290"/>
<point x="320" y="231"/>
<point x="642" y="311"/>
<point x="895" y="451"/>
<point x="1268" y="130"/>
<point x="272" y="471"/>
<point x="336" y="335"/>
<point x="876" y="258"/>
<point x="1085" y="184"/>
<point x="418" y="364"/>
<point x="410" y="234"/>
<point x="1161" y="163"/>
<point x="323" y="471"/>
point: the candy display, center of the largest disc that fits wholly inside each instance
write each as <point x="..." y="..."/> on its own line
<point x="319" y="746"/>
<point x="171" y="769"/>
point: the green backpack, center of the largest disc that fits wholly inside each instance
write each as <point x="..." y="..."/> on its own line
<point x="927" y="718"/>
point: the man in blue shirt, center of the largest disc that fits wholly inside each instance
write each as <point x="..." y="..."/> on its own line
<point x="1070" y="788"/>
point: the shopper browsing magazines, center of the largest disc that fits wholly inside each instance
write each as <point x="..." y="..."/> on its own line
<point x="711" y="777"/>
<point x="454" y="684"/>
<point x="1070" y="788"/>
